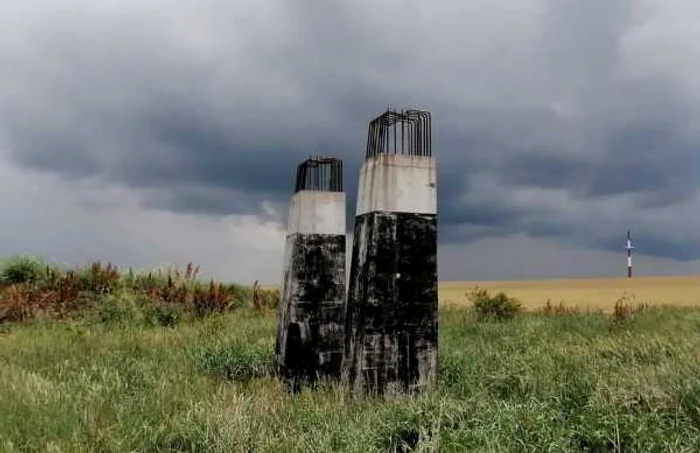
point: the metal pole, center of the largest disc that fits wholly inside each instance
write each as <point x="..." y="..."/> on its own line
<point x="629" y="247"/>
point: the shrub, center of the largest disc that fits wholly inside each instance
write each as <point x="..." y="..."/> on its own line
<point x="24" y="269"/>
<point x="99" y="279"/>
<point x="499" y="306"/>
<point x="112" y="309"/>
<point x="164" y="314"/>
<point x="13" y="305"/>
<point x="58" y="297"/>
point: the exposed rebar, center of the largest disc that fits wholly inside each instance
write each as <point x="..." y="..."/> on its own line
<point x="415" y="138"/>
<point x="320" y="173"/>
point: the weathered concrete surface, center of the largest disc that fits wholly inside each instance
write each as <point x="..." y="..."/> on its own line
<point x="317" y="212"/>
<point x="398" y="183"/>
<point x="391" y="321"/>
<point x="310" y="338"/>
<point x="311" y="310"/>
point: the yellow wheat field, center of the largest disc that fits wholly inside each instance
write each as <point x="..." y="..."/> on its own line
<point x="593" y="294"/>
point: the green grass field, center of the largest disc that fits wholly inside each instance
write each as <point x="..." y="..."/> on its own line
<point x="539" y="382"/>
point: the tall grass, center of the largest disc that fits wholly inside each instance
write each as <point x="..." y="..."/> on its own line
<point x="537" y="382"/>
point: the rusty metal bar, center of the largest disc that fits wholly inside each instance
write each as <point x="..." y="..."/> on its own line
<point x="415" y="138"/>
<point x="320" y="173"/>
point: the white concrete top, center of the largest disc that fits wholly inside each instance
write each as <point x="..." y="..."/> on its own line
<point x="396" y="183"/>
<point x="317" y="212"/>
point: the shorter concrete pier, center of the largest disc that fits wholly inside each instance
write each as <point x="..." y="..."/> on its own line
<point x="311" y="310"/>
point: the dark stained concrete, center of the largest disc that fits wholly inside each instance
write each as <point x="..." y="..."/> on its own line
<point x="312" y="308"/>
<point x="391" y="323"/>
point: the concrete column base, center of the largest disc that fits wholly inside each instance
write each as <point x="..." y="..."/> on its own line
<point x="312" y="308"/>
<point x="391" y="322"/>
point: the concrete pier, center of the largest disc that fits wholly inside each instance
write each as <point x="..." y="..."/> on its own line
<point x="391" y="320"/>
<point x="311" y="310"/>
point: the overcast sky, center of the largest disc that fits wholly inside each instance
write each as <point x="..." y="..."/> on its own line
<point x="153" y="132"/>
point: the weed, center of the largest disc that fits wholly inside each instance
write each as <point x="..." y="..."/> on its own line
<point x="164" y="314"/>
<point x="499" y="306"/>
<point x="111" y="309"/>
<point x="186" y="437"/>
<point x="234" y="362"/>
<point x="30" y="287"/>
<point x="99" y="279"/>
<point x="508" y="386"/>
<point x="406" y="430"/>
<point x="624" y="311"/>
<point x="537" y="383"/>
<point x="257" y="302"/>
<point x="559" y="309"/>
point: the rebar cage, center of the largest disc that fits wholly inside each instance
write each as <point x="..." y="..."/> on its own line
<point x="320" y="173"/>
<point x="407" y="132"/>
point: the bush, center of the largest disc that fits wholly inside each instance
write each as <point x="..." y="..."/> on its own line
<point x="499" y="306"/>
<point x="24" y="269"/>
<point x="164" y="314"/>
<point x="113" y="309"/>
<point x="98" y="278"/>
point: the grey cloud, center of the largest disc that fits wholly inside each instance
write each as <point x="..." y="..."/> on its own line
<point x="668" y="247"/>
<point x="204" y="117"/>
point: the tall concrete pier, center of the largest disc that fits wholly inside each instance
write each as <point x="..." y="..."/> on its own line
<point x="391" y="320"/>
<point x="312" y="304"/>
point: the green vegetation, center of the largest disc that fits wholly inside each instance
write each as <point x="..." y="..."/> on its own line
<point x="30" y="288"/>
<point x="111" y="380"/>
<point x="498" y="306"/>
<point x="92" y="359"/>
<point x="23" y="269"/>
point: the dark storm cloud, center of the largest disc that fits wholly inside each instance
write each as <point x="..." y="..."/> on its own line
<point x="547" y="170"/>
<point x="76" y="161"/>
<point x="649" y="160"/>
<point x="652" y="159"/>
<point x="206" y="117"/>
